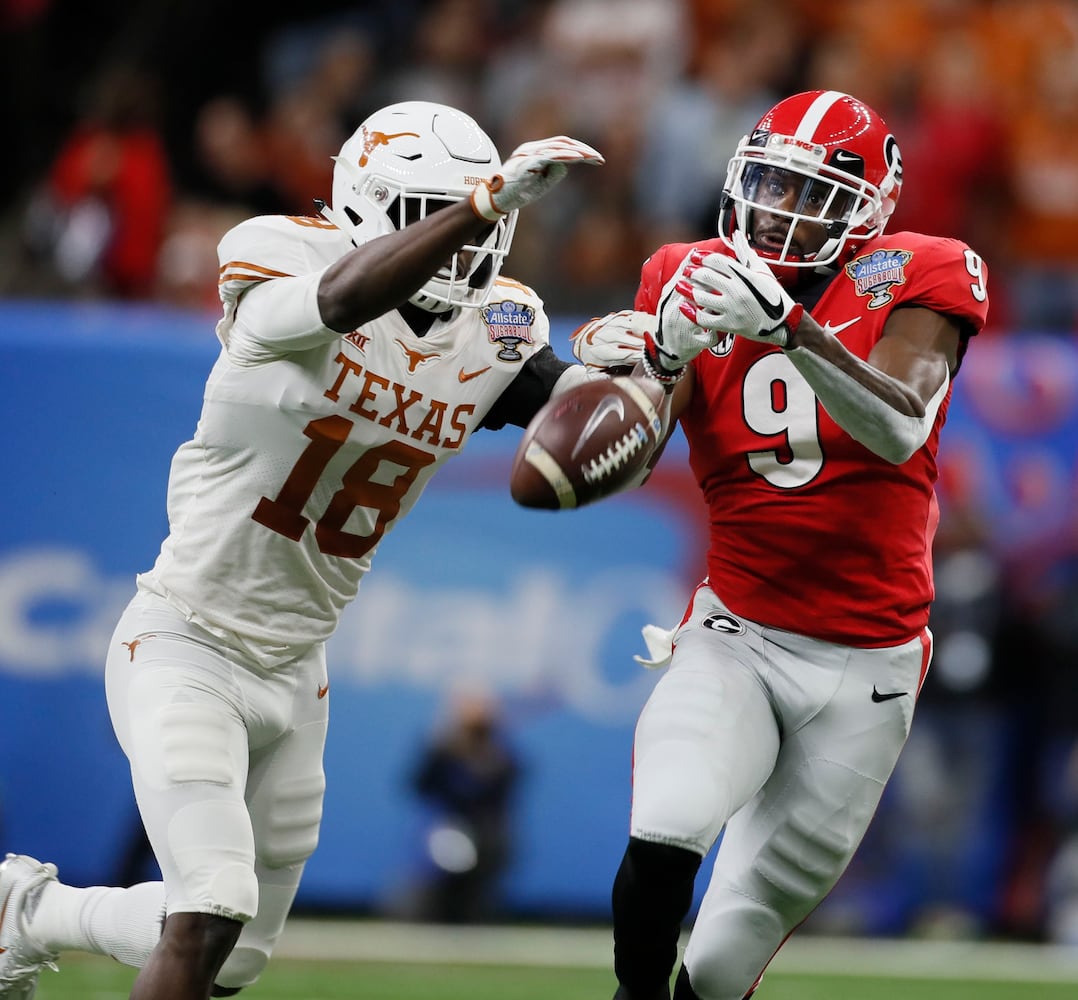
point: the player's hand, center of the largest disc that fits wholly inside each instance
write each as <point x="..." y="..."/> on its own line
<point x="531" y="170"/>
<point x="613" y="340"/>
<point x="739" y="296"/>
<point x="679" y="338"/>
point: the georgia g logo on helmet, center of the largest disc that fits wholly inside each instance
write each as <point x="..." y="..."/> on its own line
<point x="893" y="158"/>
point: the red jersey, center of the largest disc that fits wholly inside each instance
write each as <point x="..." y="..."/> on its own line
<point x="809" y="530"/>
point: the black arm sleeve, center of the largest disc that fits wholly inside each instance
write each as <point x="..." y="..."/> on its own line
<point x="527" y="393"/>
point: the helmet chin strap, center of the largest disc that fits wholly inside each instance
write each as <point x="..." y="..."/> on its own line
<point x="428" y="303"/>
<point x="829" y="253"/>
<point x="339" y="219"/>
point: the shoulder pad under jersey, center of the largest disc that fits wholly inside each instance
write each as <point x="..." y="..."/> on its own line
<point x="936" y="272"/>
<point x="515" y="305"/>
<point x="275" y="246"/>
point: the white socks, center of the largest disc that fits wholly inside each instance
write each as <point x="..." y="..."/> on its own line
<point x="122" y="923"/>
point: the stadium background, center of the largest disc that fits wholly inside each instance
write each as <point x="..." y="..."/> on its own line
<point x="108" y="285"/>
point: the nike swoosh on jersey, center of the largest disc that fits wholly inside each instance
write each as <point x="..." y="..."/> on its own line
<point x="773" y="310"/>
<point x="877" y="697"/>
<point x="828" y="328"/>
<point x="607" y="405"/>
<point x="322" y="692"/>
<point x="464" y="376"/>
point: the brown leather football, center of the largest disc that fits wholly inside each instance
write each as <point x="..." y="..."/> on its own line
<point x="587" y="443"/>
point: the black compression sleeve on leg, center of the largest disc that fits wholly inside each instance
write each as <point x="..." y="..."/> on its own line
<point x="651" y="897"/>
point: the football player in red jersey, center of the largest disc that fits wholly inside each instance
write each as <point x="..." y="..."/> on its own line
<point x="810" y="358"/>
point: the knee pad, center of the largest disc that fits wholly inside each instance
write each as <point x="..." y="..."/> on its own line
<point x="683" y="988"/>
<point x="241" y="968"/>
<point x="704" y="744"/>
<point x="212" y="855"/>
<point x="733" y="940"/>
<point x="678" y="797"/>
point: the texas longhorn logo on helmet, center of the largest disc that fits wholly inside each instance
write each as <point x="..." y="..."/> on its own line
<point x="372" y="140"/>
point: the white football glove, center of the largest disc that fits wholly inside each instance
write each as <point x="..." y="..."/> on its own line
<point x="531" y="170"/>
<point x="613" y="340"/>
<point x="740" y="296"/>
<point x="679" y="337"/>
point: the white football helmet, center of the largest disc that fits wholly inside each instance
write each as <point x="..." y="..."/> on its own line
<point x="405" y="162"/>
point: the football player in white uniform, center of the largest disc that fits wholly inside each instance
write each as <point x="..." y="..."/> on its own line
<point x="360" y="350"/>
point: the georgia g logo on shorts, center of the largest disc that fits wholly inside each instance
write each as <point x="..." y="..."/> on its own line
<point x="721" y="621"/>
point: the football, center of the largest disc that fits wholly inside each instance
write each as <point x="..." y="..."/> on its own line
<point x="588" y="443"/>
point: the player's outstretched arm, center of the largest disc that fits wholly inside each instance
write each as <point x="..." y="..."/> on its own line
<point x="383" y="274"/>
<point x="888" y="402"/>
<point x="387" y="271"/>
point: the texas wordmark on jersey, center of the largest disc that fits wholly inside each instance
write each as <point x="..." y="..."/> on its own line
<point x="303" y="459"/>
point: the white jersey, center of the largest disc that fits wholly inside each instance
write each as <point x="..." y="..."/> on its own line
<point x="312" y="444"/>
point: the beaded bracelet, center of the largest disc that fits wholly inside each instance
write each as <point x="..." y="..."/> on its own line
<point x="660" y="375"/>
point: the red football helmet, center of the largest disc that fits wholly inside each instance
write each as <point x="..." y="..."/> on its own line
<point x="817" y="163"/>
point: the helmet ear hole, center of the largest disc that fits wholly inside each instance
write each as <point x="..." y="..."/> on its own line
<point x="353" y="216"/>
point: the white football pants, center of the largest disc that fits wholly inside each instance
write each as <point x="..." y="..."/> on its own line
<point x="781" y="743"/>
<point x="226" y="762"/>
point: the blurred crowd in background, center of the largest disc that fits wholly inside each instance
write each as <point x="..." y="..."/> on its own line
<point x="146" y="129"/>
<point x="142" y="131"/>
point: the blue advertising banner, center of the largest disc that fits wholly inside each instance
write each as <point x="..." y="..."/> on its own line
<point x="542" y="609"/>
